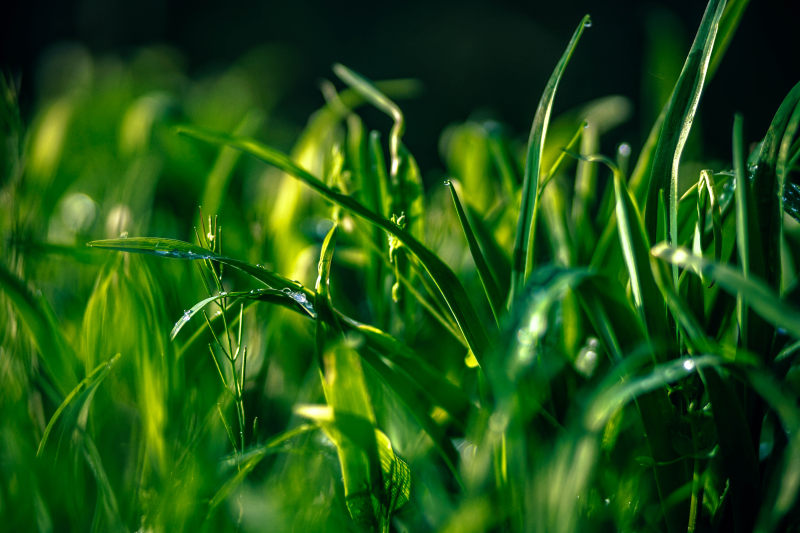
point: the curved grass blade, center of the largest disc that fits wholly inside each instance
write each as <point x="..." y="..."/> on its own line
<point x="446" y="281"/>
<point x="678" y="119"/>
<point x="530" y="186"/>
<point x="86" y="387"/>
<point x="493" y="294"/>
<point x="636" y="251"/>
<point x="299" y="300"/>
<point x="759" y="296"/>
<point x="177" y="249"/>
<point x="621" y="391"/>
<point x="297" y="297"/>
<point x="367" y="90"/>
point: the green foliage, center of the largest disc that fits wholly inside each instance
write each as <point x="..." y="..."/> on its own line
<point x="558" y="345"/>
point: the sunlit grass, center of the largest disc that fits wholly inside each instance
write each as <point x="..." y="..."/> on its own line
<point x="548" y="339"/>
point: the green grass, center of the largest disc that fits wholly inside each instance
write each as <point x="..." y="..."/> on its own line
<point x="544" y="340"/>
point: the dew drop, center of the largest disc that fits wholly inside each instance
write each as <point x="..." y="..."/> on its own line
<point x="587" y="23"/>
<point x="624" y="149"/>
<point x="448" y="183"/>
<point x="688" y="364"/>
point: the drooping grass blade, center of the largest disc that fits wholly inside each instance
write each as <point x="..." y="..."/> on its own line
<point x="758" y="295"/>
<point x="471" y="326"/>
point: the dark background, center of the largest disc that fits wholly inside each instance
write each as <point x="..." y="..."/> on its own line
<point x="491" y="57"/>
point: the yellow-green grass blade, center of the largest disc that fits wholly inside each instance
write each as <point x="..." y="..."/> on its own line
<point x="298" y="298"/>
<point x="530" y="185"/>
<point x="377" y="165"/>
<point x="759" y="296"/>
<point x="490" y="287"/>
<point x="636" y="251"/>
<point x="289" y="299"/>
<point x="453" y="292"/>
<point x="374" y="96"/>
<point x="85" y="389"/>
<point x="412" y="394"/>
<point x="677" y="123"/>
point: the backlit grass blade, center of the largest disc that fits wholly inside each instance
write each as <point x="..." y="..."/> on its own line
<point x="471" y="326"/>
<point x="368" y="90"/>
<point x="412" y="395"/>
<point x="85" y="389"/>
<point x="636" y="251"/>
<point x="493" y="294"/>
<point x="298" y="300"/>
<point x="678" y="120"/>
<point x="177" y="249"/>
<point x="530" y="186"/>
<point x="759" y="296"/>
<point x="728" y="24"/>
<point x="695" y="337"/>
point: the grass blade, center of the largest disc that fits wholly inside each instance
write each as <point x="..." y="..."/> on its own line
<point x="453" y="292"/>
<point x="678" y="119"/>
<point x="530" y="186"/>
<point x="759" y="296"/>
<point x="490" y="287"/>
<point x="86" y="387"/>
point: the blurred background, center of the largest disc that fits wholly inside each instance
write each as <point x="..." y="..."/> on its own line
<point x="489" y="58"/>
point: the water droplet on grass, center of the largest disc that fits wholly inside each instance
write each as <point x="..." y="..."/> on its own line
<point x="587" y="23"/>
<point x="624" y="149"/>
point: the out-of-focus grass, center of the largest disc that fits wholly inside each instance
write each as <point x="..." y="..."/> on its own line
<point x="550" y="340"/>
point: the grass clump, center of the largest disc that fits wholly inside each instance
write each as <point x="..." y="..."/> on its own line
<point x="551" y="340"/>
